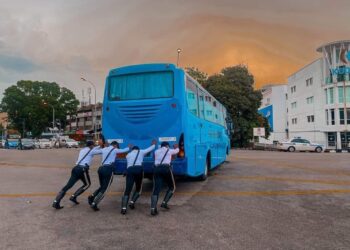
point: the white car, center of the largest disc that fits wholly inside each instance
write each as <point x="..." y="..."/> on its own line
<point x="70" y="143"/>
<point x="299" y="144"/>
<point x="43" y="143"/>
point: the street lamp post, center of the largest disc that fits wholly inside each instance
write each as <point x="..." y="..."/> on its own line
<point x="95" y="111"/>
<point x="178" y="56"/>
<point x="53" y="115"/>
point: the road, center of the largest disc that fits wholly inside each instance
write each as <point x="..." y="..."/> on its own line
<point x="256" y="200"/>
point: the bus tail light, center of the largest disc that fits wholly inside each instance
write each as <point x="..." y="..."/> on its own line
<point x="181" y="153"/>
<point x="122" y="155"/>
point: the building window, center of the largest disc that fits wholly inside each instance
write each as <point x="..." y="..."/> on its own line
<point x="340" y="94"/>
<point x="337" y="54"/>
<point x="341" y="77"/>
<point x="341" y="116"/>
<point x="293" y="89"/>
<point x="294" y="105"/>
<point x="330" y="96"/>
<point x="347" y="116"/>
<point x="310" y="100"/>
<point x="327" y="117"/>
<point x="332" y="117"/>
<point x="310" y="118"/>
<point x="294" y="121"/>
<point x="309" y="82"/>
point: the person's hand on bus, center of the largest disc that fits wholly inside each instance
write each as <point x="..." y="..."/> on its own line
<point x="154" y="142"/>
<point x="175" y="146"/>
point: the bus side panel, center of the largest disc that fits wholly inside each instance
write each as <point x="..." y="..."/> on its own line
<point x="201" y="157"/>
<point x="192" y="138"/>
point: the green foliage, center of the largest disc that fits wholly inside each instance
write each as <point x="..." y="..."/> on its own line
<point x="198" y="75"/>
<point x="29" y="105"/>
<point x="234" y="87"/>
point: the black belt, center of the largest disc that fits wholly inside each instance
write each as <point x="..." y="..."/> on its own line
<point x="166" y="165"/>
<point x="83" y="166"/>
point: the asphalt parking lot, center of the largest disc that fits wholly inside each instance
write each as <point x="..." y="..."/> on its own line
<point x="256" y="200"/>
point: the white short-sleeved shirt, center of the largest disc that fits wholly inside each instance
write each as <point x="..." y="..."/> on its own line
<point x="87" y="160"/>
<point x="159" y="154"/>
<point x="112" y="155"/>
<point x="130" y="158"/>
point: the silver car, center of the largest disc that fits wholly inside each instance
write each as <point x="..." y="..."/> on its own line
<point x="299" y="144"/>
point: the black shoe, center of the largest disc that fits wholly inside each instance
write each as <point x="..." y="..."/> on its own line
<point x="164" y="205"/>
<point x="125" y="200"/>
<point x="94" y="207"/>
<point x="123" y="211"/>
<point x="90" y="199"/>
<point x="154" y="211"/>
<point x="56" y="205"/>
<point x="132" y="205"/>
<point x="154" y="200"/>
<point x="74" y="200"/>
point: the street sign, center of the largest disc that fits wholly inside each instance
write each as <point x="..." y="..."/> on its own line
<point x="259" y="131"/>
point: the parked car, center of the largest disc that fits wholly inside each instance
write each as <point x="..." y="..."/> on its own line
<point x="299" y="144"/>
<point x="43" y="143"/>
<point x="12" y="143"/>
<point x="27" y="144"/>
<point x="70" y="143"/>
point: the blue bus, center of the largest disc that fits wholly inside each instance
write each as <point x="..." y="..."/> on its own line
<point x="161" y="101"/>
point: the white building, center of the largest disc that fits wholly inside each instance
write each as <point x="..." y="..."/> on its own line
<point x="318" y="101"/>
<point x="274" y="108"/>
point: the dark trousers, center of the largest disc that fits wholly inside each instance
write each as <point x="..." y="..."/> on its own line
<point x="133" y="175"/>
<point x="105" y="176"/>
<point x="163" y="173"/>
<point x="78" y="173"/>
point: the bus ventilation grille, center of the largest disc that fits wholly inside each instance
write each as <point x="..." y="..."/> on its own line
<point x="139" y="113"/>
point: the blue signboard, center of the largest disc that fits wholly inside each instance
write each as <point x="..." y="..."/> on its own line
<point x="267" y="112"/>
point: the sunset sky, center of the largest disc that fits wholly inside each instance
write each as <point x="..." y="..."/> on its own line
<point x="63" y="40"/>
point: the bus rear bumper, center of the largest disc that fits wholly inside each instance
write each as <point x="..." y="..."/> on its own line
<point x="179" y="167"/>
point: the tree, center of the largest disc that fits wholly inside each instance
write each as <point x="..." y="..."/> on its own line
<point x="30" y="105"/>
<point x="264" y="123"/>
<point x="233" y="87"/>
<point x="198" y="75"/>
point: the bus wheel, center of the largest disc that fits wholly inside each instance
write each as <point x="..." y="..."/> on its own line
<point x="204" y="176"/>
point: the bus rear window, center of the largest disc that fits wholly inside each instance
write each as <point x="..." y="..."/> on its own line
<point x="141" y="86"/>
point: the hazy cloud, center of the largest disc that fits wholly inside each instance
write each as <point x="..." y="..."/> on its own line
<point x="63" y="40"/>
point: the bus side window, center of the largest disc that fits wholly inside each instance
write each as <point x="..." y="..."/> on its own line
<point x="191" y="94"/>
<point x="201" y="103"/>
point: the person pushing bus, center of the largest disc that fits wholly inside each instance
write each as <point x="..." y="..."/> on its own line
<point x="163" y="172"/>
<point x="105" y="172"/>
<point x="79" y="172"/>
<point x="134" y="174"/>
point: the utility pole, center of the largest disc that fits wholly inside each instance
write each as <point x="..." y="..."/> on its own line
<point x="94" y="117"/>
<point x="178" y="56"/>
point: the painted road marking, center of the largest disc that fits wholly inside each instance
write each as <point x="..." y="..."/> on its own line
<point x="281" y="179"/>
<point x="210" y="193"/>
<point x="289" y="166"/>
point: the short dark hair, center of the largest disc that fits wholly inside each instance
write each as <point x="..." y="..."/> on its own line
<point x="113" y="143"/>
<point x="164" y="144"/>
<point x="135" y="148"/>
<point x="90" y="143"/>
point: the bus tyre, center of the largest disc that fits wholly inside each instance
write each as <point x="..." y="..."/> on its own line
<point x="204" y="176"/>
<point x="318" y="149"/>
<point x="291" y="149"/>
